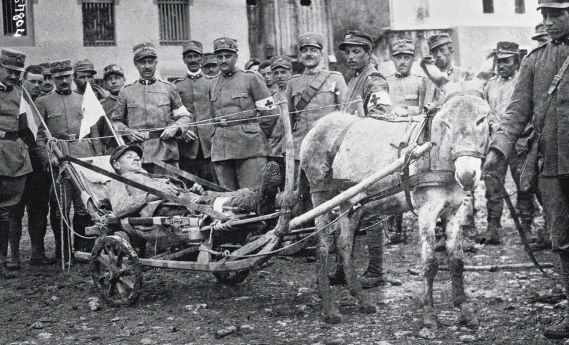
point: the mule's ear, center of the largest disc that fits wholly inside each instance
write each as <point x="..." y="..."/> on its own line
<point x="444" y="123"/>
<point x="480" y="120"/>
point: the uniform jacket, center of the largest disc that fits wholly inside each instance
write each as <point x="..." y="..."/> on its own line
<point x="143" y="105"/>
<point x="14" y="155"/>
<point x="242" y="93"/>
<point x="407" y="91"/>
<point x="194" y="92"/>
<point x="371" y="87"/>
<point x="62" y="115"/>
<point x="535" y="76"/>
<point x="455" y="74"/>
<point x="277" y="134"/>
<point x="328" y="98"/>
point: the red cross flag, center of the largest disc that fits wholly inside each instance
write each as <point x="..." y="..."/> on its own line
<point x="25" y="108"/>
<point x="92" y="111"/>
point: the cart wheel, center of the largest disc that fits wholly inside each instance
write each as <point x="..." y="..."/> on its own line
<point x="116" y="271"/>
<point x="231" y="278"/>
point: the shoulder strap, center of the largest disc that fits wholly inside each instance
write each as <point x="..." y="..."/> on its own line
<point x="307" y="94"/>
<point x="539" y="118"/>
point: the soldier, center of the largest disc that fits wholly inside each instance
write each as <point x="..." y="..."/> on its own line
<point x="267" y="73"/>
<point x="61" y="111"/>
<point x="36" y="193"/>
<point x="239" y="146"/>
<point x="371" y="88"/>
<point x="407" y="90"/>
<point x="540" y="97"/>
<point x="14" y="158"/>
<point x="150" y="111"/>
<point x="113" y="82"/>
<point x="210" y="67"/>
<point x="252" y="65"/>
<point x="281" y="72"/>
<point x="195" y="155"/>
<point x="48" y="85"/>
<point x="541" y="35"/>
<point x="311" y="95"/>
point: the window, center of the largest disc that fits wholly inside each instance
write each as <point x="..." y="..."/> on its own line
<point x="17" y="23"/>
<point x="98" y="22"/>
<point x="488" y="6"/>
<point x="520" y="6"/>
<point x="174" y="21"/>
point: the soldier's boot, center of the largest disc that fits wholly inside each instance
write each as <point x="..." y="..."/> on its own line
<point x="492" y="235"/>
<point x="561" y="330"/>
<point x="81" y="243"/>
<point x="543" y="239"/>
<point x="4" y="238"/>
<point x="15" y="234"/>
<point x="374" y="275"/>
<point x="527" y="225"/>
<point x="397" y="235"/>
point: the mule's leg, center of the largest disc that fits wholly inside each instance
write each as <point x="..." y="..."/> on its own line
<point x="456" y="266"/>
<point x="428" y="213"/>
<point x="345" y="248"/>
<point x="330" y="311"/>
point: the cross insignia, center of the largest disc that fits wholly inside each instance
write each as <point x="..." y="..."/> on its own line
<point x="269" y="103"/>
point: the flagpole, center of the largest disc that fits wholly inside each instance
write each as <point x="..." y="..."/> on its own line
<point x="118" y="138"/>
<point x="37" y="112"/>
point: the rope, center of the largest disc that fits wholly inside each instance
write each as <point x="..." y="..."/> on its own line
<point x="226" y="253"/>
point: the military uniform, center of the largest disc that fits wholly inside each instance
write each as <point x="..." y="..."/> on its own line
<point x="239" y="149"/>
<point x="148" y="105"/>
<point x="195" y="156"/>
<point x="14" y="157"/>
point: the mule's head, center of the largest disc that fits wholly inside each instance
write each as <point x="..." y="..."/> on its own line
<point x="463" y="133"/>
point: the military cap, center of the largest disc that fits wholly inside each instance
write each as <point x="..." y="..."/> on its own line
<point x="142" y="50"/>
<point x="438" y="40"/>
<point x="252" y="62"/>
<point x="45" y="68"/>
<point x="192" y="46"/>
<point x="552" y="4"/>
<point x="403" y="46"/>
<point x="12" y="59"/>
<point x="61" y="68"/>
<point x="540" y="31"/>
<point x="84" y="65"/>
<point x="112" y="69"/>
<point x="282" y="61"/>
<point x="311" y="39"/>
<point x="120" y="150"/>
<point x="209" y="59"/>
<point x="356" y="38"/>
<point x="506" y="49"/>
<point x="224" y="43"/>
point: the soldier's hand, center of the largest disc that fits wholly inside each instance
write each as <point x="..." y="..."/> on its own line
<point x="492" y="159"/>
<point x="171" y="189"/>
<point x="189" y="136"/>
<point x="169" y="132"/>
<point x="197" y="188"/>
<point x="399" y="111"/>
<point x="134" y="135"/>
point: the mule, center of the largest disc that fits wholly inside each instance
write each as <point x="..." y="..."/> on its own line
<point x="460" y="134"/>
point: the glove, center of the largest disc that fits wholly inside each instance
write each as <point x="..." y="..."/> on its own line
<point x="491" y="163"/>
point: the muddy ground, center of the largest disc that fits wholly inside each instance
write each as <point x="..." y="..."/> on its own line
<point x="278" y="303"/>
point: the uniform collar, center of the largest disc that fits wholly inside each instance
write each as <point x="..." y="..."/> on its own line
<point x="64" y="93"/>
<point x="147" y="81"/>
<point x="363" y="69"/>
<point x="228" y="74"/>
<point x="313" y="71"/>
<point x="194" y="75"/>
<point x="400" y="75"/>
<point x="561" y="41"/>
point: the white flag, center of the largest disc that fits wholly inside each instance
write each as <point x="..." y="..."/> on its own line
<point x="91" y="110"/>
<point x="25" y="108"/>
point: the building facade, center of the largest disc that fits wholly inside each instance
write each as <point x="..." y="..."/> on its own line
<point x="105" y="30"/>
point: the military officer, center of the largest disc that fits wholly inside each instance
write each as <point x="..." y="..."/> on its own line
<point x="61" y="111"/>
<point x="14" y="157"/>
<point x="48" y="85"/>
<point x="541" y="35"/>
<point x="113" y="82"/>
<point x="150" y="111"/>
<point x="528" y="104"/>
<point x="36" y="193"/>
<point x="239" y="146"/>
<point x="210" y="67"/>
<point x="195" y="155"/>
<point x="407" y="90"/>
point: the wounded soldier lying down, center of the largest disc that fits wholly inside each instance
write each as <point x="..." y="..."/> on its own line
<point x="130" y="201"/>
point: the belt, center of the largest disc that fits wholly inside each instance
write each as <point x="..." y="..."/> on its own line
<point x="8" y="135"/>
<point x="234" y="122"/>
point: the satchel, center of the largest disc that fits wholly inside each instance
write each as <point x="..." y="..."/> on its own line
<point x="530" y="168"/>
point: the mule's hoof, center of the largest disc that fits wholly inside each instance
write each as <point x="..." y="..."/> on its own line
<point x="368" y="308"/>
<point x="468" y="316"/>
<point x="333" y="317"/>
<point x="430" y="320"/>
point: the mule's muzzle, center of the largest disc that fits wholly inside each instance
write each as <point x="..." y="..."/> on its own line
<point x="468" y="172"/>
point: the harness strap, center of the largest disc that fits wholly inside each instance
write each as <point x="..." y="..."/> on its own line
<point x="404" y="182"/>
<point x="308" y="93"/>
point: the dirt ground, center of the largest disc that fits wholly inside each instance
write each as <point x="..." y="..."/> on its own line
<point x="278" y="303"/>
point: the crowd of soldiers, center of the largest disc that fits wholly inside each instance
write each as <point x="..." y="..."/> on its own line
<point x="221" y="123"/>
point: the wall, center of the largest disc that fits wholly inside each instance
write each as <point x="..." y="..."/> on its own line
<point x="59" y="33"/>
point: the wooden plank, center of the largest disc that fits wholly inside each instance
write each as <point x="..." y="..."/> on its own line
<point x="190" y="177"/>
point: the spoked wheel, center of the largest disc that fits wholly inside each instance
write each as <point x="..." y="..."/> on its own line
<point x="231" y="278"/>
<point x="116" y="271"/>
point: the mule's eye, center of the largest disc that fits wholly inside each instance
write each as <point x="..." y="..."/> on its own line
<point x="480" y="120"/>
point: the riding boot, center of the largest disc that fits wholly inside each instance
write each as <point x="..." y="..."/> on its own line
<point x="15" y="235"/>
<point x="543" y="239"/>
<point x="4" y="238"/>
<point x="80" y="222"/>
<point x="561" y="330"/>
<point x="492" y="236"/>
<point x="373" y="276"/>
